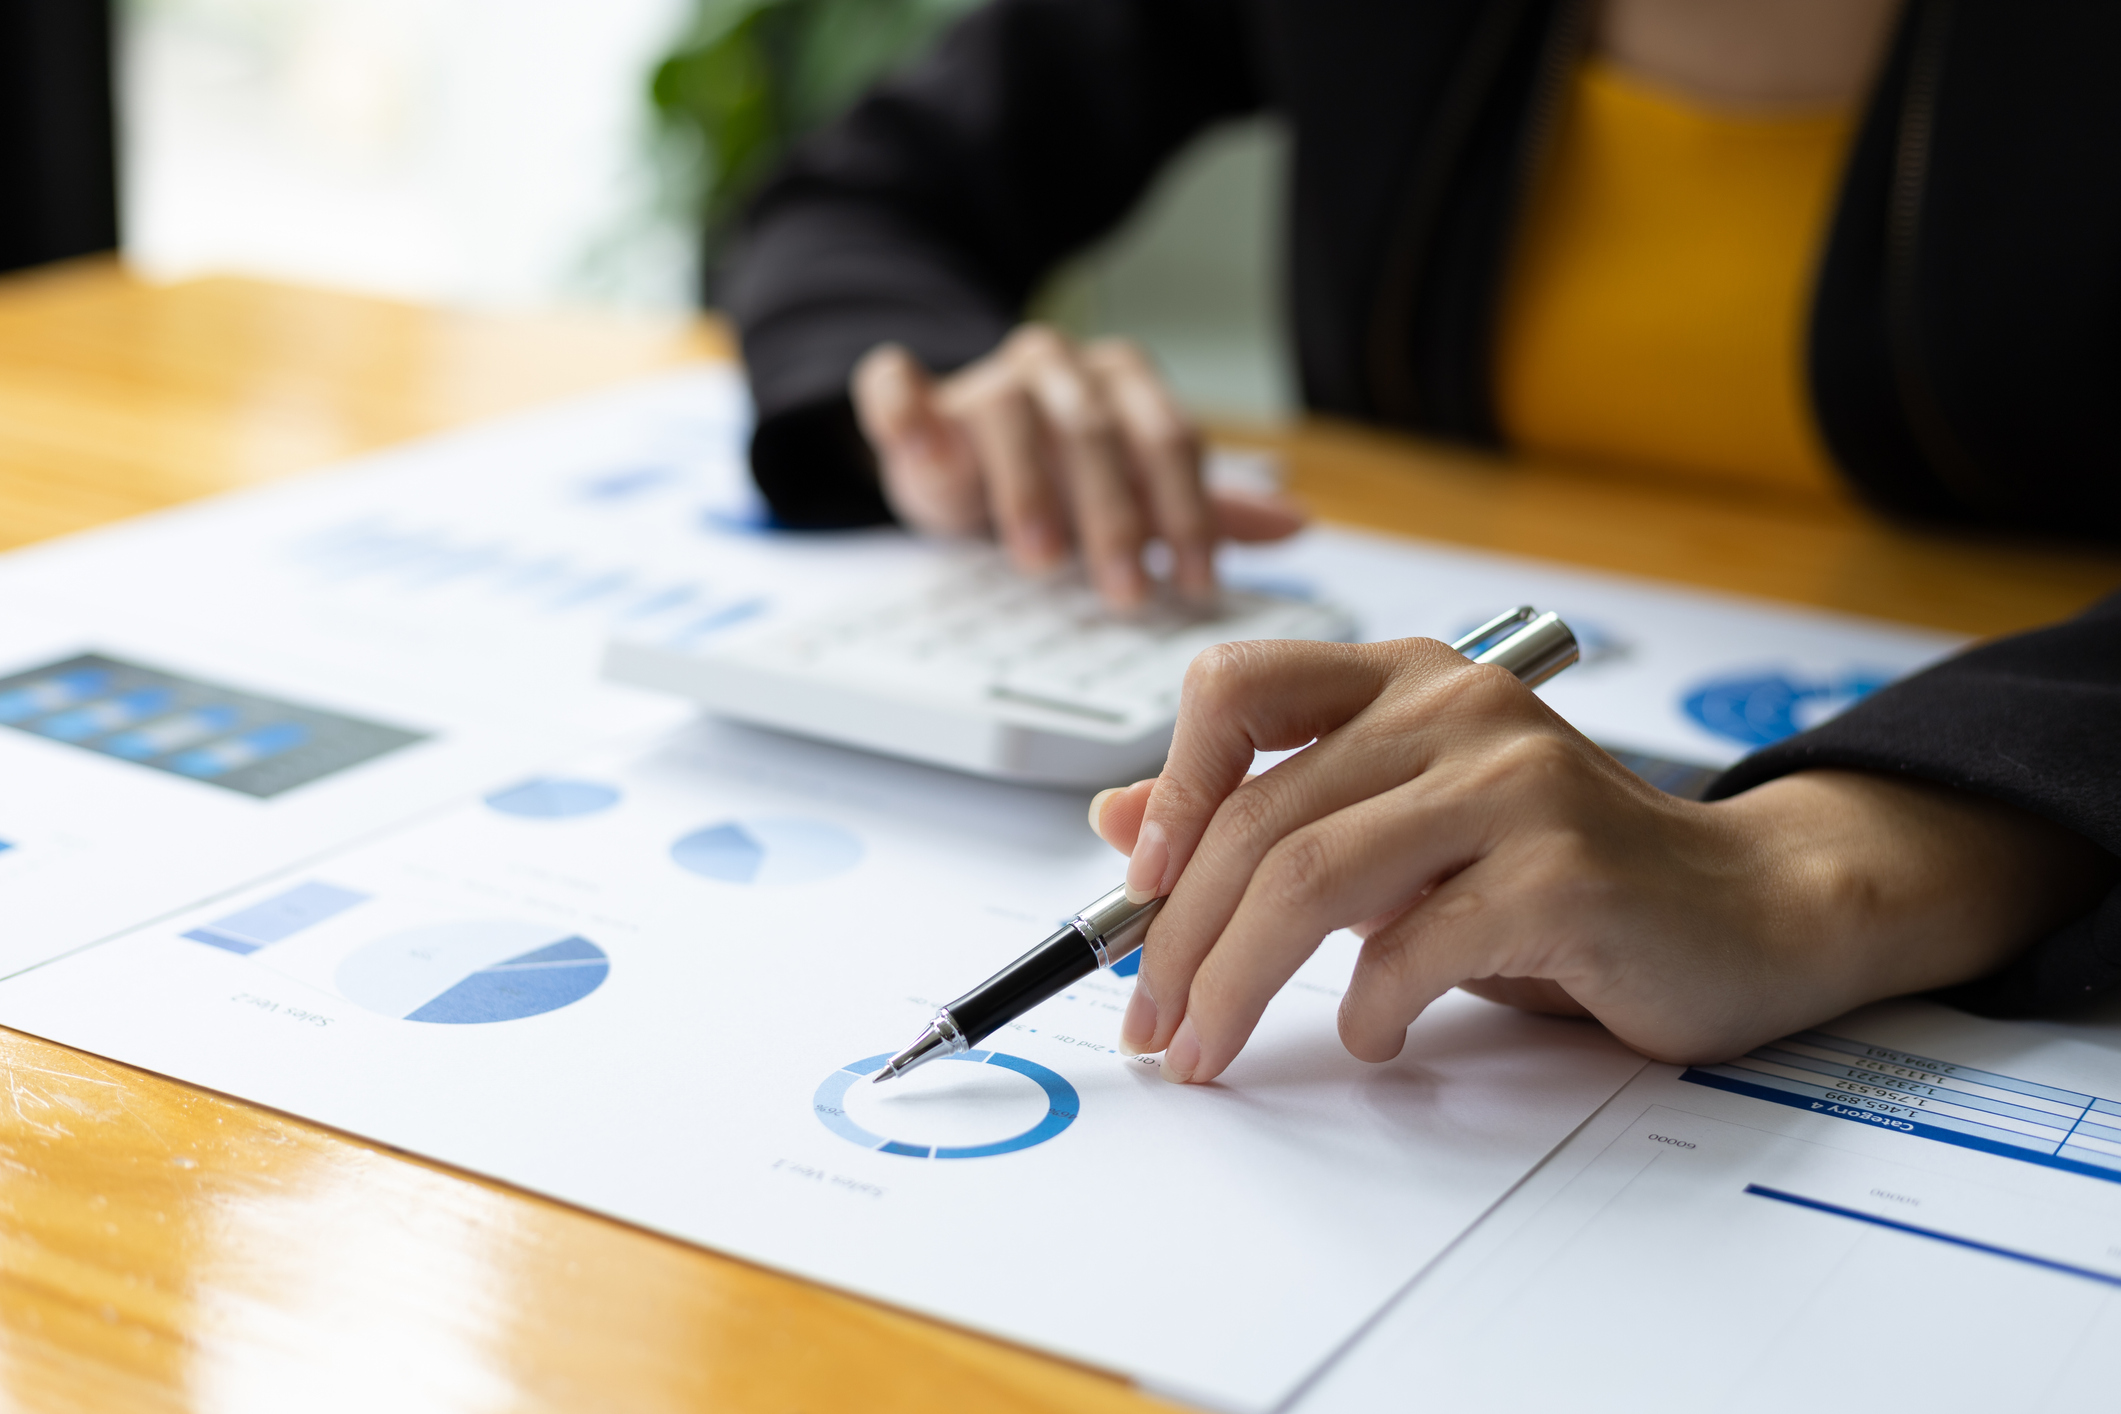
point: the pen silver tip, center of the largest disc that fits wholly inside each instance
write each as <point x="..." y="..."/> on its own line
<point x="929" y="1044"/>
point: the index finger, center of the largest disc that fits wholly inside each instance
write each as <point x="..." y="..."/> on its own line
<point x="1239" y="699"/>
<point x="1165" y="451"/>
<point x="1085" y="433"/>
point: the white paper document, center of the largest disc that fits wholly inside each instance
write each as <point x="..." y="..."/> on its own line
<point x="1908" y="1208"/>
<point x="658" y="987"/>
<point x="192" y="699"/>
<point x="195" y="698"/>
<point x="326" y="774"/>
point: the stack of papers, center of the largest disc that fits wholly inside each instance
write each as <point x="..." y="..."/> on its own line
<point x="315" y="798"/>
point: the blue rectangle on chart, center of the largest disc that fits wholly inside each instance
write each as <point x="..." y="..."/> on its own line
<point x="45" y="690"/>
<point x="1898" y="1122"/>
<point x="2097" y="1158"/>
<point x="234" y="753"/>
<point x="277" y="918"/>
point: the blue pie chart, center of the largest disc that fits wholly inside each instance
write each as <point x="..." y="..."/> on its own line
<point x="473" y="971"/>
<point x="1062" y="1105"/>
<point x="770" y="850"/>
<point x="549" y="798"/>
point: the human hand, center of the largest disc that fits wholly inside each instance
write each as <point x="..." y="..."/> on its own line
<point x="1475" y="839"/>
<point x="1049" y="445"/>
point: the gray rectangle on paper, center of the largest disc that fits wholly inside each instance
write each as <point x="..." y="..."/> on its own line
<point x="183" y="726"/>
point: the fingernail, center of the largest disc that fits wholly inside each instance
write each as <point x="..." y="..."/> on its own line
<point x="1039" y="543"/>
<point x="909" y="469"/>
<point x="1196" y="576"/>
<point x="1120" y="581"/>
<point x="1138" y="1027"/>
<point x="1146" y="866"/>
<point x="1182" y="1056"/>
<point x="1097" y="810"/>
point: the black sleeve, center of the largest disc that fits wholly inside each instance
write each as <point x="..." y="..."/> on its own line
<point x="930" y="211"/>
<point x="2034" y="721"/>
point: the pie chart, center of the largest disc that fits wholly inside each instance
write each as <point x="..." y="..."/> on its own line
<point x="770" y="850"/>
<point x="472" y="971"/>
<point x="549" y="798"/>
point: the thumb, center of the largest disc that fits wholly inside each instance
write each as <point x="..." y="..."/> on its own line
<point x="894" y="399"/>
<point x="1116" y="814"/>
<point x="1254" y="515"/>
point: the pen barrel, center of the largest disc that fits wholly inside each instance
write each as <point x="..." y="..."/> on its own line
<point x="1061" y="961"/>
<point x="1114" y="927"/>
<point x="1535" y="652"/>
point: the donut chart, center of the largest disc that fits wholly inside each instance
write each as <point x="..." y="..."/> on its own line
<point x="1762" y="708"/>
<point x="1062" y="1104"/>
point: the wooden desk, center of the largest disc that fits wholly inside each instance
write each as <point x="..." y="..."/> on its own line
<point x="164" y="1248"/>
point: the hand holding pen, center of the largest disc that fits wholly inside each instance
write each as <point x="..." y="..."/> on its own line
<point x="1476" y="840"/>
<point x="1523" y="644"/>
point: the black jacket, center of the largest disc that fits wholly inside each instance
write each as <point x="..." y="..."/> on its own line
<point x="1965" y="346"/>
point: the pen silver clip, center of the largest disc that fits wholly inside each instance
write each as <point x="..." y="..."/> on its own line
<point x="1534" y="653"/>
<point x="1523" y="613"/>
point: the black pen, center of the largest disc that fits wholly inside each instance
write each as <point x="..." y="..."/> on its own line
<point x="1532" y="645"/>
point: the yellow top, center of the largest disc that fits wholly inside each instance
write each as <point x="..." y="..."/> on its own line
<point x="1657" y="310"/>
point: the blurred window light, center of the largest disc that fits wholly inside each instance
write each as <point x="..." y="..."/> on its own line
<point x="456" y="151"/>
<point x="750" y="77"/>
<point x="537" y="152"/>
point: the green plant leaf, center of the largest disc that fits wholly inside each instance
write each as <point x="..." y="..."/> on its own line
<point x="751" y="76"/>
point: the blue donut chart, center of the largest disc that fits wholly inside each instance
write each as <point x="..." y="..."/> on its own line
<point x="1764" y="707"/>
<point x="1062" y="1104"/>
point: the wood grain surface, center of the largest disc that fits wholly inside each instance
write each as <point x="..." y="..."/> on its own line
<point x="162" y="1247"/>
<point x="1830" y="553"/>
<point x="118" y="397"/>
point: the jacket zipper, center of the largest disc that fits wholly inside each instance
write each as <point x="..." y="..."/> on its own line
<point x="1940" y="445"/>
<point x="1391" y="335"/>
<point x="1567" y="44"/>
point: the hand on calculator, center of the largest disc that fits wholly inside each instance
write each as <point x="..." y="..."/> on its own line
<point x="1052" y="447"/>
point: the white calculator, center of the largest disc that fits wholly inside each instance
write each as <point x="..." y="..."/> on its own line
<point x="970" y="665"/>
